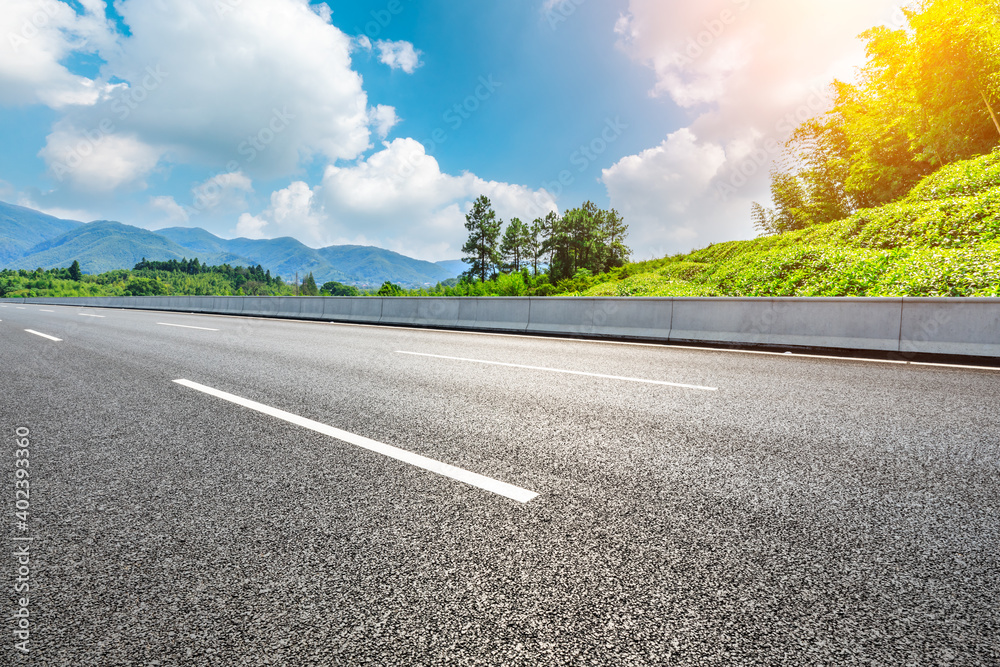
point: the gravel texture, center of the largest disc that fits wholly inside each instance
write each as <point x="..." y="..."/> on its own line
<point x="811" y="511"/>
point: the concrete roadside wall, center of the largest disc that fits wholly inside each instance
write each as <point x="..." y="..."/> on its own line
<point x="907" y="326"/>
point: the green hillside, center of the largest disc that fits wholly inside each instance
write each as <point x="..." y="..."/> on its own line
<point x="102" y="246"/>
<point x="942" y="239"/>
<point x="23" y="228"/>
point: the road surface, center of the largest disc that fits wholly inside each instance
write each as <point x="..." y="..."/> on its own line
<point x="322" y="494"/>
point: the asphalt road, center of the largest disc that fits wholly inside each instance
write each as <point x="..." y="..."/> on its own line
<point x="775" y="510"/>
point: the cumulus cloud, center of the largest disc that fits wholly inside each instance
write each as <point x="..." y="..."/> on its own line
<point x="98" y="161"/>
<point x="749" y="72"/>
<point x="398" y="197"/>
<point x="172" y="212"/>
<point x="37" y="36"/>
<point x="293" y="212"/>
<point x="259" y="86"/>
<point x="383" y="118"/>
<point x="398" y="55"/>
<point x="223" y="191"/>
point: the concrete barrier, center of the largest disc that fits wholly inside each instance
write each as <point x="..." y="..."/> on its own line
<point x="437" y="312"/>
<point x="399" y="311"/>
<point x="157" y="303"/>
<point x="852" y="324"/>
<point x="365" y="310"/>
<point x="502" y="313"/>
<point x="288" y="306"/>
<point x="645" y="318"/>
<point x="722" y="320"/>
<point x="468" y="310"/>
<point x="561" y="315"/>
<point x="964" y="327"/>
<point x="419" y="311"/>
<point x="337" y="308"/>
<point x="311" y="307"/>
<point x="230" y="305"/>
<point x="950" y="326"/>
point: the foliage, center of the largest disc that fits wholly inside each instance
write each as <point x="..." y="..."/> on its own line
<point x="308" y="287"/>
<point x="333" y="288"/>
<point x="389" y="289"/>
<point x="481" y="251"/>
<point x="942" y="239"/>
<point x="587" y="238"/>
<point x="926" y="97"/>
<point x="148" y="279"/>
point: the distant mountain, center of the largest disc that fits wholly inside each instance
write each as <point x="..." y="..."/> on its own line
<point x="29" y="239"/>
<point x="103" y="246"/>
<point x="371" y="265"/>
<point x="455" y="267"/>
<point x="21" y="229"/>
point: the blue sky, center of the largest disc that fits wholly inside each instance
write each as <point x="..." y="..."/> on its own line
<point x="378" y="122"/>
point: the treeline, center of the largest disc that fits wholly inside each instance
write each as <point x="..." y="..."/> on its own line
<point x="928" y="96"/>
<point x="249" y="280"/>
<point x="167" y="278"/>
<point x="557" y="247"/>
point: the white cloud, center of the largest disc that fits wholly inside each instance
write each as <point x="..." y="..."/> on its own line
<point x="173" y="212"/>
<point x="292" y="213"/>
<point x="398" y="199"/>
<point x="323" y="11"/>
<point x="223" y="191"/>
<point x="383" y="118"/>
<point x="80" y="215"/>
<point x="403" y="201"/>
<point x="95" y="161"/>
<point x="259" y="86"/>
<point x="750" y="72"/>
<point x="399" y="55"/>
<point x="35" y="37"/>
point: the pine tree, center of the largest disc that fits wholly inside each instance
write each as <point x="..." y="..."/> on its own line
<point x="513" y="248"/>
<point x="481" y="248"/>
<point x="74" y="271"/>
<point x="309" y="286"/>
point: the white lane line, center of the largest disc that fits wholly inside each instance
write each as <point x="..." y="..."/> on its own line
<point x="20" y="307"/>
<point x="89" y="315"/>
<point x="184" y="326"/>
<point x="38" y="333"/>
<point x="560" y="370"/>
<point x="471" y="478"/>
<point x="46" y="311"/>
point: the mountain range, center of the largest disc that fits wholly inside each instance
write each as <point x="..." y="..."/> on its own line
<point x="30" y="239"/>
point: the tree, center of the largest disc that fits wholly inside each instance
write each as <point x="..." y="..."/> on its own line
<point x="536" y="243"/>
<point x="74" y="271"/>
<point x="926" y="96"/>
<point x="333" y="288"/>
<point x="514" y="248"/>
<point x="389" y="289"/>
<point x="309" y="286"/>
<point x="613" y="232"/>
<point x="481" y="249"/>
